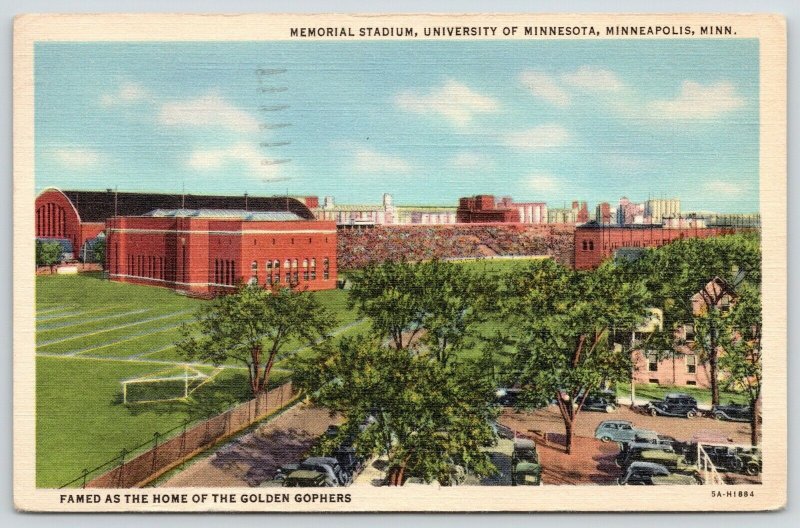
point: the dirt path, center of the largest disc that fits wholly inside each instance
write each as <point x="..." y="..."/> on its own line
<point x="253" y="458"/>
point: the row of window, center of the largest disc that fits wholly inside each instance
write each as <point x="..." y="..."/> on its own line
<point x="51" y="221"/>
<point x="690" y="362"/>
<point x="291" y="270"/>
<point x="148" y="266"/>
<point x="225" y="272"/>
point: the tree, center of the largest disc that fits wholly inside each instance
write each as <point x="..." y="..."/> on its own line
<point x="425" y="416"/>
<point x="254" y="326"/>
<point x="677" y="271"/>
<point x="98" y="251"/>
<point x="740" y="341"/>
<point x="48" y="253"/>
<point x="437" y="302"/>
<point x="564" y="321"/>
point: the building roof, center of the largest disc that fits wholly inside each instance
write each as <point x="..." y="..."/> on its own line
<point x="230" y="214"/>
<point x="98" y="206"/>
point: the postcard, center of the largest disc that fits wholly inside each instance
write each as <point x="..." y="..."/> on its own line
<point x="431" y="263"/>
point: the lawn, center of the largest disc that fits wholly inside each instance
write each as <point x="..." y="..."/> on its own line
<point x="92" y="334"/>
<point x="656" y="392"/>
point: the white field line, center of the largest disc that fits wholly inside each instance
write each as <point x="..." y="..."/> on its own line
<point x="55" y="311"/>
<point x="111" y="329"/>
<point x="50" y="328"/>
<point x="131" y="337"/>
<point x="69" y="315"/>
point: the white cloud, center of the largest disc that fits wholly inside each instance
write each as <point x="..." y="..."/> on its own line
<point x="545" y="86"/>
<point x="209" y="110"/>
<point x="542" y="137"/>
<point x="367" y="160"/>
<point x="127" y="93"/>
<point x="470" y="160"/>
<point x="77" y="158"/>
<point x="722" y="187"/>
<point x="698" y="101"/>
<point x="594" y="79"/>
<point x="542" y="183"/>
<point x="242" y="154"/>
<point x="454" y="101"/>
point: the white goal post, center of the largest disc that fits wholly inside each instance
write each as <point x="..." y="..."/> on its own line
<point x="176" y="383"/>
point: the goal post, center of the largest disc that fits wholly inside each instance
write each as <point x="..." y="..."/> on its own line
<point x="172" y="384"/>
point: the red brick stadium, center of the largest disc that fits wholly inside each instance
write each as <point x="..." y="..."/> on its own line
<point x="200" y="244"/>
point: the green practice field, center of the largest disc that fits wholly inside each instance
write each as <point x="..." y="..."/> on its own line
<point x="91" y="334"/>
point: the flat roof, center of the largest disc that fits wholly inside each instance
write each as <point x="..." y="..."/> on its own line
<point x="227" y="214"/>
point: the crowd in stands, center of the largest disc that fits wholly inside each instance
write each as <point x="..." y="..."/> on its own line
<point x="360" y="247"/>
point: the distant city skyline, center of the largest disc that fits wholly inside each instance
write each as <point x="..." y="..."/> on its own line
<point x="539" y="120"/>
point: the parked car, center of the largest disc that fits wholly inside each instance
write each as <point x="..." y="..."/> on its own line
<point x="726" y="458"/>
<point x="329" y="466"/>
<point x="507" y="397"/>
<point x="628" y="449"/>
<point x="619" y="431"/>
<point x="603" y="401"/>
<point x="733" y="412"/>
<point x="751" y="459"/>
<point x="285" y="470"/>
<point x="525" y="467"/>
<point x="651" y="474"/>
<point x="349" y="461"/>
<point x="303" y="478"/>
<point x="675" y="462"/>
<point x="674" y="404"/>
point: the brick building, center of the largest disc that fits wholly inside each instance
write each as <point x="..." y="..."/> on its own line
<point x="209" y="251"/>
<point x="483" y="209"/>
<point x="79" y="216"/>
<point x="595" y="242"/>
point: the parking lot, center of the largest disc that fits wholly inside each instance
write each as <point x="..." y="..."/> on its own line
<point x="592" y="461"/>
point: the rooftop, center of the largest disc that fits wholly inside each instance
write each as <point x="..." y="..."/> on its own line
<point x="228" y="214"/>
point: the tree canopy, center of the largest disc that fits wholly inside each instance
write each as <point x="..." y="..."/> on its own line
<point x="438" y="303"/>
<point x="428" y="418"/>
<point x="565" y="321"/>
<point x="254" y="326"/>
<point x="48" y="253"/>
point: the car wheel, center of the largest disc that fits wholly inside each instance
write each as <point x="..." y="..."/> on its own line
<point x="691" y="414"/>
<point x="753" y="469"/>
<point x="653" y="412"/>
<point x="718" y="416"/>
<point x="605" y="439"/>
<point x="610" y="408"/>
<point x="698" y="479"/>
<point x="736" y="464"/>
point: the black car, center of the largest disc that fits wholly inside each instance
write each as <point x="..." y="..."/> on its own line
<point x="507" y="397"/>
<point x="604" y="401"/>
<point x="674" y="404"/>
<point x="329" y="466"/>
<point x="733" y="412"/>
<point x="725" y="458"/>
<point x="349" y="461"/>
<point x="650" y="474"/>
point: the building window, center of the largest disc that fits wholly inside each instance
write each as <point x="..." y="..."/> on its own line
<point x="287" y="264"/>
<point x="691" y="382"/>
<point x="268" y="266"/>
<point x="254" y="267"/>
<point x="305" y="269"/>
<point x="309" y="240"/>
<point x="691" y="364"/>
<point x="294" y="263"/>
<point x="585" y="245"/>
<point x="688" y="331"/>
<point x="313" y="269"/>
<point x="652" y="362"/>
<point x="325" y="268"/>
<point x="653" y="381"/>
<point x="591" y="245"/>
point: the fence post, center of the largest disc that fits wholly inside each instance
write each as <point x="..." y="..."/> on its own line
<point x="85" y="473"/>
<point x="121" y="467"/>
<point x="155" y="449"/>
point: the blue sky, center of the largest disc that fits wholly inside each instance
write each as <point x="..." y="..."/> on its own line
<point x="427" y="121"/>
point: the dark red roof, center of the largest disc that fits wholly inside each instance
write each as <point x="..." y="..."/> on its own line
<point x="98" y="206"/>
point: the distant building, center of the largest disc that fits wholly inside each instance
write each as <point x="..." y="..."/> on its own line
<point x="356" y="215"/>
<point x="577" y="214"/>
<point x="603" y="214"/>
<point x="529" y="212"/>
<point x="656" y="210"/>
<point x="629" y="212"/>
<point x="483" y="209"/>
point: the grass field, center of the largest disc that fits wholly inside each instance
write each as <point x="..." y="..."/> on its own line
<point x="92" y="334"/>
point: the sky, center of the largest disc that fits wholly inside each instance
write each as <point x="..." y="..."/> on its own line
<point x="427" y="121"/>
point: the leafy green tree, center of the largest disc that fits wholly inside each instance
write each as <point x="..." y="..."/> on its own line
<point x="47" y="253"/>
<point x="740" y="360"/>
<point x="98" y="253"/>
<point x="426" y="417"/>
<point x="565" y="321"/>
<point x="677" y="271"/>
<point x="254" y="326"/>
<point x="438" y="303"/>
